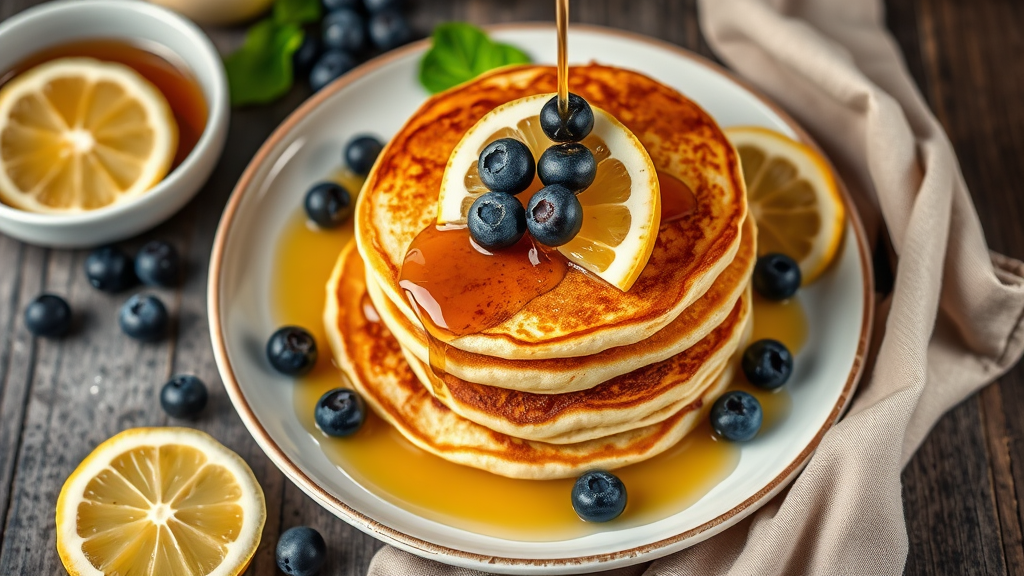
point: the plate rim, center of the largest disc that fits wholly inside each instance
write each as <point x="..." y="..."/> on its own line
<point x="435" y="551"/>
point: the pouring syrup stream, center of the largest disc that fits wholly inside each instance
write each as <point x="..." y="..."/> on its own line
<point x="562" y="23"/>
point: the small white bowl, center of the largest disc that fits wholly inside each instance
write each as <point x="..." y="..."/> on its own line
<point x="64" y="21"/>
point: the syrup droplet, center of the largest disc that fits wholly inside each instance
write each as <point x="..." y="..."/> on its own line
<point x="677" y="200"/>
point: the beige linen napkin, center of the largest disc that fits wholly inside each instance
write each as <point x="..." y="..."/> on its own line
<point x="954" y="318"/>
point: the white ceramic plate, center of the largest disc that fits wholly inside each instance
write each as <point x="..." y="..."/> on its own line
<point x="378" y="98"/>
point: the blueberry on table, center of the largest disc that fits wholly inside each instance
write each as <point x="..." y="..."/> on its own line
<point x="301" y="551"/>
<point x="776" y="276"/>
<point x="109" y="269"/>
<point x="361" y="152"/>
<point x="344" y="30"/>
<point x="506" y="165"/>
<point x="328" y="204"/>
<point x="574" y="127"/>
<point x="144" y="317"/>
<point x="156" y="264"/>
<point x="571" y="165"/>
<point x="331" y="66"/>
<point x="183" y="396"/>
<point x="340" y="412"/>
<point x="598" y="496"/>
<point x="380" y="5"/>
<point x="736" y="416"/>
<point x="292" y="351"/>
<point x="332" y="5"/>
<point x="48" y="315"/>
<point x="307" y="54"/>
<point x="767" y="364"/>
<point x="389" y="29"/>
<point x="554" y="215"/>
<point x="496" y="220"/>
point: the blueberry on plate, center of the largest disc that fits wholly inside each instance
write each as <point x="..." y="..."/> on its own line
<point x="144" y="317"/>
<point x="301" y="551"/>
<point x="496" y="220"/>
<point x="344" y="30"/>
<point x="340" y="412"/>
<point x="328" y="204"/>
<point x="331" y="65"/>
<point x="109" y="269"/>
<point x="292" y="351"/>
<point x="554" y="215"/>
<point x="156" y="264"/>
<point x="361" y="152"/>
<point x="598" y="496"/>
<point x="48" y="315"/>
<point x="183" y="396"/>
<point x="767" y="364"/>
<point x="379" y="5"/>
<point x="332" y="5"/>
<point x="776" y="276"/>
<point x="574" y="127"/>
<point x="307" y="54"/>
<point x="571" y="165"/>
<point x="736" y="416"/>
<point x="506" y="165"/>
<point x="389" y="29"/>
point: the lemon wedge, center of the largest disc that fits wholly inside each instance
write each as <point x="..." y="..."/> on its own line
<point x="793" y="196"/>
<point x="621" y="209"/>
<point x="78" y="134"/>
<point x="160" y="501"/>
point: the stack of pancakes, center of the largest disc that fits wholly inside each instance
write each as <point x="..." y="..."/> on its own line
<point x="585" y="376"/>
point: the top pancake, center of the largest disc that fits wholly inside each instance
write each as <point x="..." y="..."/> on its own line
<point x="582" y="315"/>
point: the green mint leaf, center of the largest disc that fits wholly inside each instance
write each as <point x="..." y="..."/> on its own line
<point x="461" y="52"/>
<point x="261" y="70"/>
<point x="296" y="11"/>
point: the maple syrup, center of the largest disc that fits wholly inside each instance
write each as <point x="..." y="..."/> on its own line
<point x="677" y="200"/>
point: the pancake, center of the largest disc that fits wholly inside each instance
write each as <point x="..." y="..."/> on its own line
<point x="581" y="316"/>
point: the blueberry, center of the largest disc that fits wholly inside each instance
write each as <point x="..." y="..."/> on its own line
<point x="506" y="165"/>
<point x="380" y="5"/>
<point x="767" y="364"/>
<point x="328" y="204"/>
<point x="554" y="215"/>
<point x="736" y="416"/>
<point x="389" y="29"/>
<point x="340" y="412"/>
<point x="598" y="496"/>
<point x="144" y="317"/>
<point x="361" y="152"/>
<point x="332" y="5"/>
<point x="156" y="264"/>
<point x="497" y="220"/>
<point x="776" y="276"/>
<point x="344" y="30"/>
<point x="183" y="396"/>
<point x="572" y="165"/>
<point x="48" y="316"/>
<point x="109" y="269"/>
<point x="577" y="124"/>
<point x="307" y="54"/>
<point x="331" y="65"/>
<point x="292" y="351"/>
<point x="301" y="551"/>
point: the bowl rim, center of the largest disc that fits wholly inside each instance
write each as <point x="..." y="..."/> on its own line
<point x="216" y="103"/>
<point x="434" y="551"/>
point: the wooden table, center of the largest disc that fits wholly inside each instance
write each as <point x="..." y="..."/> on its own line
<point x="59" y="399"/>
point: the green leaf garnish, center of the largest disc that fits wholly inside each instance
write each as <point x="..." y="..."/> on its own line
<point x="461" y="52"/>
<point x="261" y="70"/>
<point x="295" y="11"/>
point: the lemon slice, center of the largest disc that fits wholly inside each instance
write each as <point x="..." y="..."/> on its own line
<point x="160" y="501"/>
<point x="793" y="197"/>
<point x="78" y="134"/>
<point x="621" y="209"/>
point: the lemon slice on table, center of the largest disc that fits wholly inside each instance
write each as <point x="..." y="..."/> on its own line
<point x="621" y="209"/>
<point x="78" y="134"/>
<point x="793" y="196"/>
<point x="160" y="501"/>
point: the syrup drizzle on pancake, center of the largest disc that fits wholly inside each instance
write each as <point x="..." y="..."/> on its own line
<point x="677" y="200"/>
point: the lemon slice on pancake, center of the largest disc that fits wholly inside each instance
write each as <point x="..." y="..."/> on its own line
<point x="793" y="196"/>
<point x="621" y="209"/>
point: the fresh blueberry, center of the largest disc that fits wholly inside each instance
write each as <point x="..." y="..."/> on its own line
<point x="389" y="29"/>
<point x="109" y="269"/>
<point x="292" y="351"/>
<point x="776" y="276"/>
<point x="506" y="165"/>
<point x="571" y="164"/>
<point x="554" y="215"/>
<point x="48" y="316"/>
<point x="598" y="496"/>
<point x="331" y="65"/>
<point x="307" y="54"/>
<point x="301" y="551"/>
<point x="379" y="5"/>
<point x="344" y="30"/>
<point x="332" y="5"/>
<point x="340" y="412"/>
<point x="144" y="317"/>
<point x="767" y="364"/>
<point x="575" y="127"/>
<point x="361" y="152"/>
<point x="736" y="416"/>
<point x="328" y="204"/>
<point x="183" y="396"/>
<point x="156" y="264"/>
<point x="497" y="220"/>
